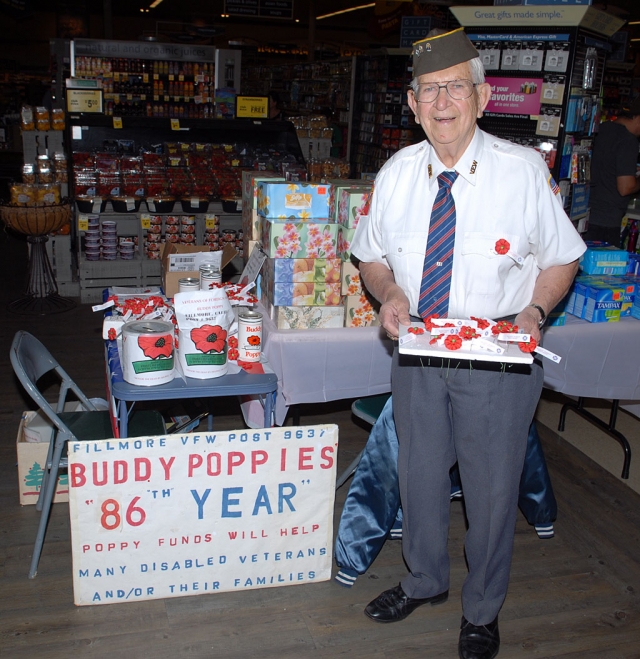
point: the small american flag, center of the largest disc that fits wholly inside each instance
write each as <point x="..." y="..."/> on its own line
<point x="555" y="188"/>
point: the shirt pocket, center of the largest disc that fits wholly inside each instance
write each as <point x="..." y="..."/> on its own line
<point x="483" y="268"/>
<point x="406" y="252"/>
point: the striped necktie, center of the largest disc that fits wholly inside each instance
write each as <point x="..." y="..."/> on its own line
<point x="438" y="259"/>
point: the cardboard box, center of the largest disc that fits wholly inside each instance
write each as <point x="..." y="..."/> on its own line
<point x="288" y="240"/>
<point x="32" y="457"/>
<point x="345" y="236"/>
<point x="295" y="201"/>
<point x="353" y="204"/>
<point x="351" y="282"/>
<point x="170" y="279"/>
<point x="359" y="312"/>
<point x="250" y="217"/>
<point x="319" y="271"/>
<point x="300" y="294"/>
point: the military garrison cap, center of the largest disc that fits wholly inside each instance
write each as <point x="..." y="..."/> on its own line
<point x="442" y="51"/>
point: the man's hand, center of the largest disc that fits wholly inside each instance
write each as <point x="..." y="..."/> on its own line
<point x="528" y="321"/>
<point x="395" y="305"/>
<point x="395" y="312"/>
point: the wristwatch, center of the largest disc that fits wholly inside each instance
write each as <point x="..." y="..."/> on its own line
<point x="543" y="315"/>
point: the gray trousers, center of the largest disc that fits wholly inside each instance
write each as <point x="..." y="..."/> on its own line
<point x="477" y="413"/>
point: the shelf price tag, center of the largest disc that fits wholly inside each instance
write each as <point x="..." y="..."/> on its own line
<point x="211" y="221"/>
<point x="145" y="221"/>
<point x="117" y="122"/>
<point x="83" y="222"/>
<point x="145" y="77"/>
<point x="156" y="76"/>
<point x="171" y="76"/>
<point x="175" y="124"/>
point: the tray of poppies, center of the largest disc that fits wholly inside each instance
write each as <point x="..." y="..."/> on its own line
<point x="472" y="338"/>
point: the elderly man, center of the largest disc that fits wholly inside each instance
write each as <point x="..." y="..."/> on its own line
<point x="462" y="225"/>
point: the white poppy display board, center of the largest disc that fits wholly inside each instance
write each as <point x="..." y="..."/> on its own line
<point x="200" y="513"/>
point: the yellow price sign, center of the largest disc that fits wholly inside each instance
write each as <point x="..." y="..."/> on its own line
<point x="171" y="76"/>
<point x="145" y="221"/>
<point x="211" y="221"/>
<point x="117" y="122"/>
<point x="252" y="107"/>
<point x="145" y="77"/>
<point x="156" y="76"/>
<point x="175" y="124"/>
<point x="83" y="223"/>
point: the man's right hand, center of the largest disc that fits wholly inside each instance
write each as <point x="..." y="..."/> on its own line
<point x="395" y="312"/>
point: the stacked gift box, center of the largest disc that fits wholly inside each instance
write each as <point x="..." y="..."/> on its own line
<point x="604" y="291"/>
<point x="300" y="240"/>
<point x="350" y="202"/>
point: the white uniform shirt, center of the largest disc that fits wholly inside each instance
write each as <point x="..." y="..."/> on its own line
<point x="503" y="191"/>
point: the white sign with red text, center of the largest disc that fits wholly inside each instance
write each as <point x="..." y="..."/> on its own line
<point x="199" y="513"/>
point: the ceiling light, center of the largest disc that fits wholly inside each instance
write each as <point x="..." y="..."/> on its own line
<point x="154" y="4"/>
<point x="344" y="11"/>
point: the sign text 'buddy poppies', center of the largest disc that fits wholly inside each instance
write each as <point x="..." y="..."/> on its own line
<point x="156" y="517"/>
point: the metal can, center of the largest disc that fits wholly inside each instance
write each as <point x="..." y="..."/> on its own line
<point x="209" y="274"/>
<point x="188" y="284"/>
<point x="147" y="352"/>
<point x="249" y="335"/>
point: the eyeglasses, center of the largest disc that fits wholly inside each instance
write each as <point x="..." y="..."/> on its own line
<point x="457" y="89"/>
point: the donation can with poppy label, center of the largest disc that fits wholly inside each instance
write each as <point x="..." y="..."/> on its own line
<point x="147" y="352"/>
<point x="249" y="335"/>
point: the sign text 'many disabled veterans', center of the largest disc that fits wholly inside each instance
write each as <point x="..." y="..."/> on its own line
<point x="158" y="517"/>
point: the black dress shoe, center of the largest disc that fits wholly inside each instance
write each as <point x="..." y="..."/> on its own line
<point x="394" y="605"/>
<point x="478" y="642"/>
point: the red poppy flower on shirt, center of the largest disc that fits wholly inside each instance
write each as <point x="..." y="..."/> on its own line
<point x="253" y="340"/>
<point x="528" y="347"/>
<point x="502" y="246"/>
<point x="209" y="338"/>
<point x="156" y="347"/>
<point x="453" y="342"/>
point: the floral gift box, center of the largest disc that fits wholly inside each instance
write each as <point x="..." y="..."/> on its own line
<point x="359" y="312"/>
<point x="288" y="240"/>
<point x="353" y="204"/>
<point x="345" y="236"/>
<point x="351" y="281"/>
<point x="338" y="185"/>
<point x="301" y="294"/>
<point x="303" y="270"/>
<point x="293" y="201"/>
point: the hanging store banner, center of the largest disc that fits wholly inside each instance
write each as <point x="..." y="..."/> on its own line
<point x="196" y="514"/>
<point x="515" y="95"/>
<point x="143" y="50"/>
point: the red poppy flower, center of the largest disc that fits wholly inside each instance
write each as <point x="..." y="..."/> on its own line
<point x="453" y="342"/>
<point x="156" y="347"/>
<point x="528" y="347"/>
<point x="427" y="321"/>
<point x="415" y="330"/>
<point x="233" y="342"/>
<point x="467" y="333"/>
<point x="434" y="340"/>
<point x="502" y="246"/>
<point x="253" y="340"/>
<point x="111" y="334"/>
<point x="502" y="327"/>
<point x="482" y="323"/>
<point x="209" y="338"/>
<point x="233" y="354"/>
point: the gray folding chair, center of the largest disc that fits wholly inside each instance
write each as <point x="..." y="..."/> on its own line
<point x="30" y="361"/>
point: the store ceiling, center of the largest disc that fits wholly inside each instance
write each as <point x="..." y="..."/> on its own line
<point x="209" y="12"/>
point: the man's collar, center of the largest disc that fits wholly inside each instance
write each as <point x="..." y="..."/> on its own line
<point x="466" y="166"/>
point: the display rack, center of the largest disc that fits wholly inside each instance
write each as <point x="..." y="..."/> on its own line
<point x="96" y="133"/>
<point x="383" y="122"/>
<point x="546" y="71"/>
